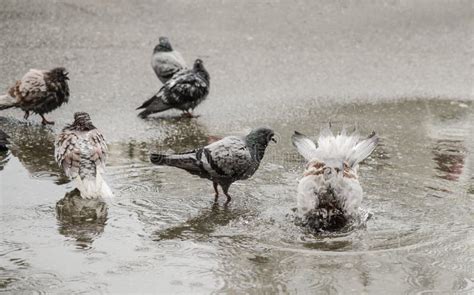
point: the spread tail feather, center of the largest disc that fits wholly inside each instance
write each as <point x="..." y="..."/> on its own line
<point x="93" y="187"/>
<point x="6" y="102"/>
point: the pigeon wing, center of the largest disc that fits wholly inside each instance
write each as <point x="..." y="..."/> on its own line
<point x="99" y="152"/>
<point x="227" y="158"/>
<point x="67" y="153"/>
<point x="185" y="87"/>
<point x="32" y="85"/>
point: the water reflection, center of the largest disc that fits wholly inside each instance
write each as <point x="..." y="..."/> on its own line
<point x="449" y="157"/>
<point x="200" y="226"/>
<point x="33" y="145"/>
<point x="81" y="219"/>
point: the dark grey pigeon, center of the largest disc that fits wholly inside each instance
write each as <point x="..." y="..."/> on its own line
<point x="39" y="92"/>
<point x="223" y="162"/>
<point x="4" y="141"/>
<point x="165" y="61"/>
<point x="184" y="91"/>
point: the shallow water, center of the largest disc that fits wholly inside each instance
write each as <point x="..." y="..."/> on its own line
<point x="400" y="69"/>
<point x="163" y="232"/>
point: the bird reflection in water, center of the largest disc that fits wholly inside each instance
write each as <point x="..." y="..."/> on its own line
<point x="200" y="226"/>
<point x="81" y="219"/>
<point x="449" y="157"/>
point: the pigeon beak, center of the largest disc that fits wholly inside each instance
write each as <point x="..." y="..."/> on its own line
<point x="274" y="140"/>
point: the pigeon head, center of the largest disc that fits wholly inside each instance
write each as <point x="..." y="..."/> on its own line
<point x="59" y="74"/>
<point x="257" y="141"/>
<point x="82" y="122"/>
<point x="200" y="69"/>
<point x="164" y="45"/>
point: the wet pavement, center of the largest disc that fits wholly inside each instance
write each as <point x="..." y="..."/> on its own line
<point x="401" y="69"/>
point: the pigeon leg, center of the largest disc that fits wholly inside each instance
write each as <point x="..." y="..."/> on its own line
<point x="27" y="114"/>
<point x="216" y="196"/>
<point x="225" y="188"/>
<point x="45" y="122"/>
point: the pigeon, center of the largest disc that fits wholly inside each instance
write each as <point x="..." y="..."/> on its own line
<point x="165" y="61"/>
<point x="184" y="91"/>
<point x="4" y="141"/>
<point x="329" y="194"/>
<point x="81" y="151"/>
<point x="223" y="162"/>
<point x="38" y="91"/>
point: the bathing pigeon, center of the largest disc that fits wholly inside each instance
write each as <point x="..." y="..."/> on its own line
<point x="81" y="151"/>
<point x="38" y="91"/>
<point x="223" y="162"/>
<point x="165" y="61"/>
<point x="4" y="141"/>
<point x="329" y="194"/>
<point x="184" y="91"/>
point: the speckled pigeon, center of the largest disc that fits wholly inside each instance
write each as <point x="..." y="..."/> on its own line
<point x="223" y="162"/>
<point x="81" y="150"/>
<point x="38" y="91"/>
<point x="329" y="194"/>
<point x="184" y="91"/>
<point x="165" y="61"/>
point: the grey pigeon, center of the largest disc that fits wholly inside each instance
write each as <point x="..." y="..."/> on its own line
<point x="81" y="150"/>
<point x="4" y="141"/>
<point x="184" y="91"/>
<point x="165" y="61"/>
<point x="38" y="91"/>
<point x="223" y="162"/>
<point x="329" y="194"/>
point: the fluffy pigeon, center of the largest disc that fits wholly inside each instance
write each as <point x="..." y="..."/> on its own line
<point x="184" y="91"/>
<point x="81" y="151"/>
<point x="38" y="91"/>
<point x="223" y="162"/>
<point x="329" y="194"/>
<point x="165" y="61"/>
<point x="4" y="141"/>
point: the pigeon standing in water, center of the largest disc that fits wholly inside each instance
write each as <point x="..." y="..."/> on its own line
<point x="329" y="194"/>
<point x="81" y="151"/>
<point x="38" y="91"/>
<point x="165" y="61"/>
<point x="223" y="162"/>
<point x="4" y="141"/>
<point x="184" y="91"/>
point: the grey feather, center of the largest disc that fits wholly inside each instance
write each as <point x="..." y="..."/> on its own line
<point x="166" y="61"/>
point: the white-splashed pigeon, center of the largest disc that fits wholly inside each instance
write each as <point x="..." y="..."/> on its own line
<point x="329" y="194"/>
<point x="223" y="162"/>
<point x="184" y="91"/>
<point x="81" y="151"/>
<point x="38" y="91"/>
<point x="165" y="61"/>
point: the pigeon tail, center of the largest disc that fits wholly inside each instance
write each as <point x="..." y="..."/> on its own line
<point x="6" y="102"/>
<point x="93" y="187"/>
<point x="186" y="161"/>
<point x="153" y="105"/>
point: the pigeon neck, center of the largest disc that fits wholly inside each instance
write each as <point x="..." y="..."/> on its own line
<point x="203" y="73"/>
<point x="257" y="150"/>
